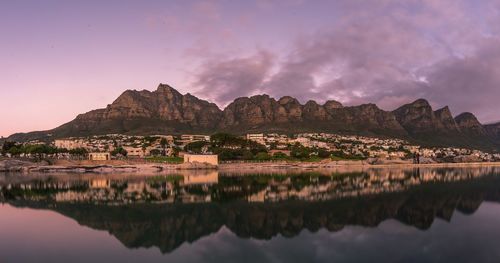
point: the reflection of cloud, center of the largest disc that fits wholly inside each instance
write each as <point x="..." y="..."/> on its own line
<point x="391" y="241"/>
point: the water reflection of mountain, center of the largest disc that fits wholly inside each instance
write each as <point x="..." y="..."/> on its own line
<point x="167" y="226"/>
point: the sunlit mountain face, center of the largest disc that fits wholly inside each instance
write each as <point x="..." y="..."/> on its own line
<point x="166" y="212"/>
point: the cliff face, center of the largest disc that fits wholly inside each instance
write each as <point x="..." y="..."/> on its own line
<point x="444" y="116"/>
<point x="160" y="111"/>
<point x="418" y="117"/>
<point x="261" y="113"/>
<point x="468" y="123"/>
<point x="165" y="110"/>
<point x="165" y="104"/>
<point x="493" y="130"/>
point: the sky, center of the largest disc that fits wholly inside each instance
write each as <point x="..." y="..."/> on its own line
<point x="62" y="58"/>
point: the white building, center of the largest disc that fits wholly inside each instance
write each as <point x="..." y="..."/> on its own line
<point x="201" y="158"/>
<point x="100" y="156"/>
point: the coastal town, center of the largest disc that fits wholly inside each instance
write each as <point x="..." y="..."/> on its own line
<point x="223" y="147"/>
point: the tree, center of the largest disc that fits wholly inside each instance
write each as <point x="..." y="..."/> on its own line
<point x="14" y="151"/>
<point x="163" y="143"/>
<point x="300" y="152"/>
<point x="7" y="145"/>
<point x="280" y="155"/>
<point x="120" y="151"/>
<point x="80" y="152"/>
<point x="262" y="156"/>
<point x="155" y="152"/>
<point x="196" y="147"/>
<point x="323" y="153"/>
<point x="226" y="155"/>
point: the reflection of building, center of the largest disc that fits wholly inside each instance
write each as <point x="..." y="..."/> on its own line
<point x="209" y="178"/>
<point x="135" y="187"/>
<point x="201" y="158"/>
<point x="100" y="183"/>
<point x="257" y="197"/>
<point x="99" y="156"/>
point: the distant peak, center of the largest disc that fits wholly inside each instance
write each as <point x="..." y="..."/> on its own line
<point x="445" y="108"/>
<point x="420" y="102"/>
<point x="260" y="96"/>
<point x="311" y="102"/>
<point x="166" y="88"/>
<point x="333" y="104"/>
<point x="466" y="116"/>
<point x="287" y="99"/>
<point x="444" y="111"/>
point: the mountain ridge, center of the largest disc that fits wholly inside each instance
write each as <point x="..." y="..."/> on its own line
<point x="165" y="110"/>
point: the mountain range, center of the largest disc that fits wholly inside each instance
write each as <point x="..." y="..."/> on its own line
<point x="167" y="111"/>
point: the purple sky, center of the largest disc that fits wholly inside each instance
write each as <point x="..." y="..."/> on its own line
<point x="61" y="58"/>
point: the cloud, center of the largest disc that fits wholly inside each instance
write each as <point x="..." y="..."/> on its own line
<point x="222" y="81"/>
<point x="471" y="83"/>
<point x="381" y="51"/>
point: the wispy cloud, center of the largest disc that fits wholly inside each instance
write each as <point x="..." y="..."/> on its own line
<point x="382" y="51"/>
<point x="222" y="81"/>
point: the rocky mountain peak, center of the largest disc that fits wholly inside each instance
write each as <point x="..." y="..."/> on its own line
<point x="332" y="104"/>
<point x="444" y="111"/>
<point x="311" y="103"/>
<point x="420" y="103"/>
<point x="167" y="91"/>
<point x="418" y="117"/>
<point x="446" y="118"/>
<point x="166" y="88"/>
<point x="467" y="118"/>
<point x="288" y="100"/>
<point x="467" y="122"/>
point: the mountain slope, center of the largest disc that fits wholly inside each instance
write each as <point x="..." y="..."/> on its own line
<point x="166" y="111"/>
<point x="493" y="130"/>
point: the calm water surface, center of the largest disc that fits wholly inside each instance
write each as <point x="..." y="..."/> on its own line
<point x="376" y="215"/>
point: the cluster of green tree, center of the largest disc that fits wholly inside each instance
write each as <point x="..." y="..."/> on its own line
<point x="299" y="152"/>
<point x="119" y="150"/>
<point x="229" y="147"/>
<point x="77" y="151"/>
<point x="38" y="150"/>
<point x="340" y="155"/>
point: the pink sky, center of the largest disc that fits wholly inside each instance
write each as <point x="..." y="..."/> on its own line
<point x="60" y="59"/>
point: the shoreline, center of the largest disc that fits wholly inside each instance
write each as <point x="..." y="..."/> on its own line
<point x="17" y="166"/>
